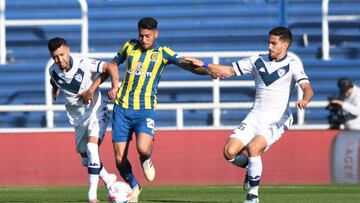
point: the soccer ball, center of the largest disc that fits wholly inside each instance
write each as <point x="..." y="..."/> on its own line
<point x="120" y="192"/>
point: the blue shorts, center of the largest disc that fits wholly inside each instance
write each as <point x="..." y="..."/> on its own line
<point x="127" y="121"/>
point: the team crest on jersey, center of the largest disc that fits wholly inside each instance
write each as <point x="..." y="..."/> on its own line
<point x="60" y="82"/>
<point x="281" y="72"/>
<point x="78" y="77"/>
<point x="154" y="56"/>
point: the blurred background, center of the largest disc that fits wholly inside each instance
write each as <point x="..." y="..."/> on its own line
<point x="326" y="41"/>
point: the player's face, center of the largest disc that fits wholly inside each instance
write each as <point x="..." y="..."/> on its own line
<point x="147" y="38"/>
<point x="61" y="57"/>
<point x="277" y="47"/>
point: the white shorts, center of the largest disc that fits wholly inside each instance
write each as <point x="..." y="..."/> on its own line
<point x="94" y="126"/>
<point x="249" y="129"/>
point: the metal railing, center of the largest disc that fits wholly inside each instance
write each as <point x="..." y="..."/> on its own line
<point x="216" y="105"/>
<point x="326" y="18"/>
<point x="83" y="22"/>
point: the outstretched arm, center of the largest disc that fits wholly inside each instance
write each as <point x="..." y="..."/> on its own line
<point x="188" y="65"/>
<point x="215" y="70"/>
<point x="308" y="94"/>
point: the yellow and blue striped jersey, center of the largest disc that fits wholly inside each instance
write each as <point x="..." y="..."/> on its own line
<point x="143" y="70"/>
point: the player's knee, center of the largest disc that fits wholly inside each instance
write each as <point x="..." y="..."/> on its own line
<point x="229" y="153"/>
<point x="120" y="160"/>
<point x="253" y="150"/>
<point x="144" y="150"/>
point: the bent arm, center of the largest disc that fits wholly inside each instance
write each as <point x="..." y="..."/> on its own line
<point x="55" y="90"/>
<point x="307" y="96"/>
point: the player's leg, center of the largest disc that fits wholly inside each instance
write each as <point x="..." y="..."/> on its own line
<point x="98" y="131"/>
<point x="121" y="137"/>
<point x="255" y="148"/>
<point x="144" y="146"/>
<point x="125" y="168"/>
<point x="145" y="131"/>
<point x="234" y="150"/>
<point x="81" y="133"/>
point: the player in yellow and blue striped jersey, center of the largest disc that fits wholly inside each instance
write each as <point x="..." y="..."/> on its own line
<point x="136" y="100"/>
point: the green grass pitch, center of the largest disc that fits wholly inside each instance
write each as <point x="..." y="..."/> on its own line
<point x="205" y="194"/>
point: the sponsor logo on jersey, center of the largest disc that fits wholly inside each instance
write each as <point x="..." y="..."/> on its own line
<point x="138" y="71"/>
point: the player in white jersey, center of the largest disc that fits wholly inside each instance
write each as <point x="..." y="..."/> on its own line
<point x="74" y="76"/>
<point x="275" y="75"/>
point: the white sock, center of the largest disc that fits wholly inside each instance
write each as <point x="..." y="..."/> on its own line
<point x="94" y="167"/>
<point x="93" y="185"/>
<point x="93" y="153"/>
<point x="104" y="175"/>
<point x="254" y="173"/>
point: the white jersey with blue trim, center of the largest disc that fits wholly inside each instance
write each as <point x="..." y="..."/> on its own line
<point x="274" y="82"/>
<point x="75" y="81"/>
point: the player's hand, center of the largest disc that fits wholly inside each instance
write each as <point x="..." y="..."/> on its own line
<point x="194" y="61"/>
<point x="87" y="97"/>
<point x="301" y="104"/>
<point x="112" y="93"/>
<point x="337" y="101"/>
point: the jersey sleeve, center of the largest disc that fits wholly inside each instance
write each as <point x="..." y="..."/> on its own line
<point x="299" y="73"/>
<point x="95" y="66"/>
<point x="243" y="66"/>
<point x="170" y="56"/>
<point x="122" y="53"/>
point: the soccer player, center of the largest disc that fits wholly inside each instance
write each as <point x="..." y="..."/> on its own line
<point x="275" y="75"/>
<point x="74" y="76"/>
<point x="136" y="98"/>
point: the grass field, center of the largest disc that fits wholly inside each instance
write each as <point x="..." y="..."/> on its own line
<point x="209" y="194"/>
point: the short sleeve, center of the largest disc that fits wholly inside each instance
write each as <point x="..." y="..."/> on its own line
<point x="122" y="53"/>
<point x="243" y="66"/>
<point x="170" y="56"/>
<point x="95" y="66"/>
<point x="299" y="73"/>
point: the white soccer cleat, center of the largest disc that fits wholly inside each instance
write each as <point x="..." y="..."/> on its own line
<point x="135" y="194"/>
<point x="148" y="169"/>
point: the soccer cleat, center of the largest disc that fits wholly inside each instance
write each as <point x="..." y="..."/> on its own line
<point x="250" y="198"/>
<point x="135" y="194"/>
<point x="148" y="169"/>
<point x="246" y="184"/>
<point x="94" y="201"/>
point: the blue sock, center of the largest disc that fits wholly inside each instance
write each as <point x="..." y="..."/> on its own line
<point x="126" y="172"/>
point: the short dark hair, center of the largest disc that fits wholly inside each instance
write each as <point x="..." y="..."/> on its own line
<point x="344" y="84"/>
<point x="284" y="33"/>
<point x="55" y="43"/>
<point x="147" y="23"/>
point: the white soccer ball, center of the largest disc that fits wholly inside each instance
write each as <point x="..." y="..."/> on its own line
<point x="120" y="192"/>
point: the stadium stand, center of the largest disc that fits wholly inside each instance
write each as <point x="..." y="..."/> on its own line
<point x="185" y="25"/>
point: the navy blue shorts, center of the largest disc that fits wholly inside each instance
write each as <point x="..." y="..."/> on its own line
<point x="127" y="121"/>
